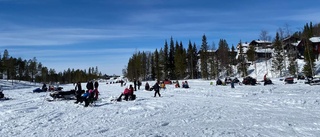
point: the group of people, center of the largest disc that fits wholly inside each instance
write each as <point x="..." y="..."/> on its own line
<point x="128" y="93"/>
<point x="51" y="87"/>
<point x="88" y="96"/>
<point x="184" y="84"/>
<point x="136" y="83"/>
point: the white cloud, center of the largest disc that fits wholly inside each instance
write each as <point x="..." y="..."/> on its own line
<point x="59" y="36"/>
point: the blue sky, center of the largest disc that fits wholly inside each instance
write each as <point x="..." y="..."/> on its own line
<point x="80" y="34"/>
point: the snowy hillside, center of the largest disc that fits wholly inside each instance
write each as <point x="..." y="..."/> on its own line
<point x="203" y="110"/>
<point x="262" y="67"/>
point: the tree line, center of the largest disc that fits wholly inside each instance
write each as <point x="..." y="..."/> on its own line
<point x="34" y="71"/>
<point x="174" y="61"/>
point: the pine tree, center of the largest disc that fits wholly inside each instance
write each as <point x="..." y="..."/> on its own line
<point x="180" y="61"/>
<point x="5" y="62"/>
<point x="242" y="66"/>
<point x="204" y="57"/>
<point x="189" y="59"/>
<point x="223" y="56"/>
<point x="213" y="62"/>
<point x="292" y="67"/>
<point x="309" y="57"/>
<point x="277" y="62"/>
<point x="194" y="59"/>
<point x="165" y="58"/>
<point x="233" y="56"/>
<point x="251" y="53"/>
<point x="152" y="63"/>
<point x="171" y="62"/>
<point x="157" y="66"/>
<point x="144" y="69"/>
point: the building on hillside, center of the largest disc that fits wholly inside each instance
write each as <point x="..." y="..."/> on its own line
<point x="290" y="46"/>
<point x="315" y="41"/>
<point x="263" y="49"/>
<point x="316" y="46"/>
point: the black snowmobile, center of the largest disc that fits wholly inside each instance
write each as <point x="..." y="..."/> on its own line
<point x="63" y="94"/>
<point x="249" y="81"/>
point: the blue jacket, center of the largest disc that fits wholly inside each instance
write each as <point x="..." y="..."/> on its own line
<point x="85" y="95"/>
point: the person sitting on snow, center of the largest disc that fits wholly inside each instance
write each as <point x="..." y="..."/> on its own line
<point x="266" y="80"/>
<point x="162" y="85"/>
<point x="177" y="84"/>
<point x="128" y="92"/>
<point x="93" y="95"/>
<point x="147" y="86"/>
<point x="185" y="85"/>
<point x="85" y="97"/>
<point x="219" y="82"/>
<point x="44" y="87"/>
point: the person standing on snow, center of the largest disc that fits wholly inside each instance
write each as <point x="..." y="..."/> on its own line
<point x="79" y="92"/>
<point x="135" y="84"/>
<point x="139" y="84"/>
<point x="96" y="91"/>
<point x="96" y="85"/>
<point x="156" y="88"/>
<point x="89" y="85"/>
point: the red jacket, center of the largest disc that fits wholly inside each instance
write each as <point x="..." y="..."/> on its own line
<point x="128" y="91"/>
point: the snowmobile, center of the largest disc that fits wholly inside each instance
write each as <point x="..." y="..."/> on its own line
<point x="313" y="80"/>
<point x="289" y="80"/>
<point x="249" y="81"/>
<point x="38" y="90"/>
<point x="63" y="94"/>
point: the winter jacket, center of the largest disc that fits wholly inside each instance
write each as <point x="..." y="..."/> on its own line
<point x="89" y="85"/>
<point x="85" y="95"/>
<point x="128" y="91"/>
<point x="96" y="84"/>
<point x="156" y="87"/>
<point x="78" y="87"/>
<point x="96" y="93"/>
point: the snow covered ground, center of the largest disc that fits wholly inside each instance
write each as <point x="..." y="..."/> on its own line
<point x="277" y="110"/>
